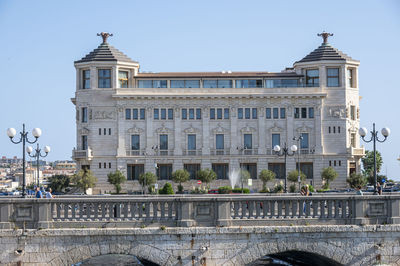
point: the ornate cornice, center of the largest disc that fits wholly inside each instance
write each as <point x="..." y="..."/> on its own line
<point x="220" y="130"/>
<point x="275" y="128"/>
<point x="163" y="129"/>
<point x="135" y="130"/>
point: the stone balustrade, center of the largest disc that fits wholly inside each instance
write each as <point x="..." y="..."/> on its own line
<point x="204" y="210"/>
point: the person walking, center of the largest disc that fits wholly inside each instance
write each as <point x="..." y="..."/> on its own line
<point x="48" y="194"/>
<point x="38" y="193"/>
<point x="358" y="191"/>
<point x="378" y="188"/>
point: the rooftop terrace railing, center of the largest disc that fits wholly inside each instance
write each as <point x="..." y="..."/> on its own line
<point x="207" y="210"/>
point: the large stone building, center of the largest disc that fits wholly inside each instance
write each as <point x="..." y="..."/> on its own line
<point x="160" y="122"/>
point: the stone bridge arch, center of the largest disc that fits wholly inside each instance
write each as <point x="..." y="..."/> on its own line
<point x="89" y="250"/>
<point x="259" y="250"/>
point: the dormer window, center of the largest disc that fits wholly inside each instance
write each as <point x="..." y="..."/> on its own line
<point x="104" y="78"/>
<point x="333" y="77"/>
<point x="312" y="77"/>
<point x="123" y="79"/>
<point x="86" y="79"/>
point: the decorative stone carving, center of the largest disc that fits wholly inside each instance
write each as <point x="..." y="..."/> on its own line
<point x="337" y="111"/>
<point x="358" y="112"/>
<point x="84" y="131"/>
<point x="353" y="128"/>
<point x="135" y="130"/>
<point x="219" y="130"/>
<point x="191" y="130"/>
<point x="90" y="114"/>
<point x="247" y="129"/>
<point x="163" y="129"/>
<point x="304" y="129"/>
<point x="275" y="128"/>
<point x="103" y="115"/>
<point x="120" y="107"/>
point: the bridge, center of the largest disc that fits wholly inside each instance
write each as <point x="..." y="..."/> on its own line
<point x="336" y="229"/>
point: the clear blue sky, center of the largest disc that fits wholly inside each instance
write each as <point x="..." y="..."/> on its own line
<point x="41" y="39"/>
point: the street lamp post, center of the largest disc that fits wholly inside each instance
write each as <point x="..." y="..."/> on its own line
<point x="285" y="152"/>
<point x="37" y="155"/>
<point x="11" y="132"/>
<point x="374" y="138"/>
<point x="298" y="139"/>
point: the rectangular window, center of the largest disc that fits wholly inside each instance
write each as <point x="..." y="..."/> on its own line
<point x="283" y="113"/>
<point x="247" y="113"/>
<point x="307" y="169"/>
<point x="84" y="142"/>
<point x="164" y="171"/>
<point x="303" y="112"/>
<point x="191" y="113"/>
<point x="353" y="112"/>
<point x="311" y="112"/>
<point x="134" y="170"/>
<point x="212" y="113"/>
<point x="142" y="114"/>
<point x="340" y="163"/>
<point x="268" y="113"/>
<point x="123" y="79"/>
<point x="128" y="114"/>
<point x="276" y="113"/>
<point x="163" y="114"/>
<point x="248" y="141"/>
<point x="221" y="169"/>
<point x="198" y="113"/>
<point x="159" y="83"/>
<point x="251" y="168"/>
<point x="240" y="113"/>
<point x="226" y="113"/>
<point x="99" y="131"/>
<point x="312" y="78"/>
<point x="135" y="114"/>
<point x="296" y="112"/>
<point x="329" y="130"/>
<point x="278" y="169"/>
<point x="224" y="83"/>
<point x="191" y="142"/>
<point x="219" y="141"/>
<point x="350" y="78"/>
<point x="156" y="114"/>
<point x="334" y="163"/>
<point x="170" y="114"/>
<point x="105" y="131"/>
<point x="338" y="130"/>
<point x="184" y="114"/>
<point x="104" y="78"/>
<point x="135" y="142"/>
<point x="353" y="140"/>
<point x="334" y="130"/>
<point x="330" y="163"/>
<point x="145" y="84"/>
<point x="333" y="77"/>
<point x="219" y="113"/>
<point x="304" y="141"/>
<point x="249" y="83"/>
<point x="254" y="113"/>
<point x="100" y="165"/>
<point x="192" y="169"/>
<point x="105" y="165"/>
<point x="109" y="165"/>
<point x="177" y="83"/>
<point x="210" y="83"/>
<point x="276" y="140"/>
<point x="185" y="83"/>
<point x="86" y="79"/>
<point x="163" y="142"/>
<point x="84" y="115"/>
<point x="109" y="131"/>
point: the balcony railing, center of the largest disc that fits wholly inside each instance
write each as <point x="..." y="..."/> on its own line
<point x="135" y="152"/>
<point x="356" y="151"/>
<point x="219" y="151"/>
<point x="307" y="151"/>
<point x="164" y="152"/>
<point x="248" y="152"/>
<point x="82" y="154"/>
<point x="185" y="211"/>
<point x="192" y="152"/>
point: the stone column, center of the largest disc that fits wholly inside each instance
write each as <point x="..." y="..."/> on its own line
<point x="120" y="130"/>
<point x="322" y="77"/>
<point x="234" y="138"/>
<point x="206" y="130"/>
<point x="261" y="131"/>
<point x="114" y="77"/>
<point x="93" y="77"/>
<point x="178" y="133"/>
<point x="318" y="130"/>
<point x="150" y="134"/>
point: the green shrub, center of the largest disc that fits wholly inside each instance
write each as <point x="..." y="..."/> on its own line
<point x="279" y="188"/>
<point x="239" y="190"/>
<point x="311" y="188"/>
<point x="266" y="190"/>
<point x="167" y="189"/>
<point x="292" y="188"/>
<point x="224" y="190"/>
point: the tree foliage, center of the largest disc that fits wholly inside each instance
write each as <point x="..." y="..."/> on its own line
<point x="58" y="183"/>
<point x="293" y="176"/>
<point x="84" y="179"/>
<point x="244" y="176"/>
<point x="266" y="176"/>
<point x="167" y="189"/>
<point x="206" y="175"/>
<point x="356" y="180"/>
<point x="147" y="179"/>
<point x="368" y="163"/>
<point x="116" y="178"/>
<point x="328" y="175"/>
<point x="180" y="176"/>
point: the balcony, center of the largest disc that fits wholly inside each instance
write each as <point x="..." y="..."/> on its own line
<point x="135" y="152"/>
<point x="82" y="154"/>
<point x="307" y="151"/>
<point x="164" y="152"/>
<point x="192" y="152"/>
<point x="248" y="151"/>
<point x="359" y="152"/>
<point x="219" y="151"/>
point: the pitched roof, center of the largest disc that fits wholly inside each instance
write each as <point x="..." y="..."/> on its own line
<point x="325" y="52"/>
<point x="106" y="52"/>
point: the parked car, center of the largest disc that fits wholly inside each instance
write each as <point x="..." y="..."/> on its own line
<point x="213" y="191"/>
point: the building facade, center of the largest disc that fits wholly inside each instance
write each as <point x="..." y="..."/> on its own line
<point x="139" y="122"/>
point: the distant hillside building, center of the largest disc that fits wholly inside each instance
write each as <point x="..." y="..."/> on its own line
<point x="160" y="122"/>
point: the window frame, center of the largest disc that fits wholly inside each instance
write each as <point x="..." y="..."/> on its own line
<point x="101" y="77"/>
<point x="328" y="77"/>
<point x="123" y="82"/>
<point x="84" y="79"/>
